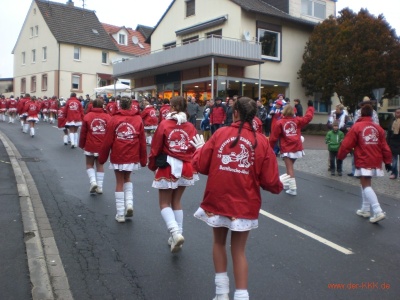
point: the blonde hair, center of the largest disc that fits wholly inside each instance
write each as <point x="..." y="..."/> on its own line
<point x="288" y="111"/>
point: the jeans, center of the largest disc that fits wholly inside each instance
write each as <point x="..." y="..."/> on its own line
<point x="214" y="127"/>
<point x="192" y="119"/>
<point x="333" y="159"/>
<point x="395" y="170"/>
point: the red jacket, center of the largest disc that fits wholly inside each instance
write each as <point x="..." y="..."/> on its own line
<point x="21" y="105"/>
<point x="93" y="130"/>
<point x="61" y="117"/>
<point x="111" y="107"/>
<point x="369" y="143"/>
<point x="3" y="104"/>
<point x="53" y="105"/>
<point x="217" y="115"/>
<point x="125" y="138"/>
<point x="288" y="130"/>
<point x="32" y="109"/>
<point x="173" y="140"/>
<point x="257" y="125"/>
<point x="149" y="116"/>
<point x="164" y="110"/>
<point x="12" y="103"/>
<point x="236" y="174"/>
<point x="73" y="110"/>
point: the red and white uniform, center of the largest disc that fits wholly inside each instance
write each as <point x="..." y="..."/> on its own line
<point x="164" y="110"/>
<point x="61" y="117"/>
<point x="32" y="110"/>
<point x="149" y="116"/>
<point x="73" y="112"/>
<point x="3" y="105"/>
<point x="93" y="130"/>
<point x="21" y="105"/>
<point x="257" y="125"/>
<point x="369" y="144"/>
<point x="45" y="106"/>
<point x="242" y="168"/>
<point x="53" y="105"/>
<point x="126" y="139"/>
<point x="135" y="107"/>
<point x="288" y="130"/>
<point x="12" y="105"/>
<point x="111" y="107"/>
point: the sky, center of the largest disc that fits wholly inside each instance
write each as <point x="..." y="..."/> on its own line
<point x="130" y="13"/>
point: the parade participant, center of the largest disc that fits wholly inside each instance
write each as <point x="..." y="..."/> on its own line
<point x="217" y="115"/>
<point x="393" y="139"/>
<point x="170" y="158"/>
<point x="3" y="108"/>
<point x="111" y="107"/>
<point x="91" y="139"/>
<point x="243" y="158"/>
<point x="12" y="109"/>
<point x="150" y="121"/>
<point x="74" y="116"/>
<point x="32" y="110"/>
<point x="53" y="107"/>
<point x="126" y="140"/>
<point x="135" y="107"/>
<point x="164" y="110"/>
<point x="22" y="114"/>
<point x="288" y="131"/>
<point x="45" y="108"/>
<point x="61" y="122"/>
<point x="257" y="125"/>
<point x="370" y="150"/>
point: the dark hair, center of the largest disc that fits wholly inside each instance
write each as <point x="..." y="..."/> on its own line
<point x="166" y="101"/>
<point x="125" y="103"/>
<point x="366" y="110"/>
<point x="73" y="95"/>
<point x="179" y="104"/>
<point x="247" y="109"/>
<point x="98" y="103"/>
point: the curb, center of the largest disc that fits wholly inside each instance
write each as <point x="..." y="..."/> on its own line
<point x="48" y="278"/>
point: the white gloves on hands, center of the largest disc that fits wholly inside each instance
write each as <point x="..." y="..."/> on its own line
<point x="198" y="141"/>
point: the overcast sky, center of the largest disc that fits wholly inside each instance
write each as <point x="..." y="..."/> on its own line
<point x="129" y="13"/>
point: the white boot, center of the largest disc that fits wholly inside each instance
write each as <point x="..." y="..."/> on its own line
<point x="72" y="139"/>
<point x="100" y="179"/>
<point x="284" y="178"/>
<point x="26" y="128"/>
<point x="292" y="187"/>
<point x="120" y="204"/>
<point x="92" y="179"/>
<point x="128" y="192"/>
<point x="76" y="139"/>
<point x="32" y="132"/>
<point x="65" y="139"/>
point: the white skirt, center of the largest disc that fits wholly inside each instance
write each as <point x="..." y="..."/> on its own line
<point x="73" y="123"/>
<point x="90" y="153"/>
<point x="222" y="221"/>
<point x="12" y="110"/>
<point x="369" y="172"/>
<point x="124" y="167"/>
<point x="293" y="155"/>
<point x="164" y="184"/>
<point x="151" y="127"/>
<point x="32" y="119"/>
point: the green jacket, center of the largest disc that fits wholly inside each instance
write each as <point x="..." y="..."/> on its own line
<point x="334" y="139"/>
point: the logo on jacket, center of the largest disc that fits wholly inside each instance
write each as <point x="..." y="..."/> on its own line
<point x="178" y="140"/>
<point x="370" y="135"/>
<point x="125" y="131"/>
<point x="73" y="106"/>
<point x="290" y="128"/>
<point x="241" y="159"/>
<point x="98" y="126"/>
<point x="153" y="113"/>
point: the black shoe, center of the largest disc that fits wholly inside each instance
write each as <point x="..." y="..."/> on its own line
<point x="350" y="174"/>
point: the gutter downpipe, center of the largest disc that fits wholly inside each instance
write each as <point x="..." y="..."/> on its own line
<point x="212" y="78"/>
<point x="59" y="66"/>
<point x="259" y="81"/>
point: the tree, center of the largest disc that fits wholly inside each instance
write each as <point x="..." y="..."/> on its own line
<point x="351" y="55"/>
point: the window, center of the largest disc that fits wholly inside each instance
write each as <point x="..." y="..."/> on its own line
<point x="44" y="82"/>
<point x="36" y="30"/>
<point x="269" y="36"/>
<point x="104" y="57"/>
<point x="23" y="58"/>
<point x="76" y="82"/>
<point x="23" y="85"/>
<point x="44" y="49"/>
<point x="321" y="106"/>
<point x="33" y="84"/>
<point x="33" y="56"/>
<point x="190" y="8"/>
<point x="190" y="40"/>
<point x="169" y="45"/>
<point x="313" y="8"/>
<point x="215" y="34"/>
<point x="31" y="31"/>
<point x="77" y="53"/>
<point x="122" y="39"/>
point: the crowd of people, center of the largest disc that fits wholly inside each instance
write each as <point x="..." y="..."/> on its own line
<point x="238" y="140"/>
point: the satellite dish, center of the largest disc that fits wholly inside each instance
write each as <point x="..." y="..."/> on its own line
<point x="246" y="35"/>
<point x="135" y="40"/>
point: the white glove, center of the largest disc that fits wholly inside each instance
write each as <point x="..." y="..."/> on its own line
<point x="198" y="141"/>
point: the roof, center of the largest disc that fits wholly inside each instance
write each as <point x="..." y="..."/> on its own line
<point x="144" y="30"/>
<point x="256" y="6"/>
<point x="132" y="48"/>
<point x="74" y="25"/>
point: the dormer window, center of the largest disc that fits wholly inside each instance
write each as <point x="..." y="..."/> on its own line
<point x="122" y="39"/>
<point x="313" y="8"/>
<point x="190" y="8"/>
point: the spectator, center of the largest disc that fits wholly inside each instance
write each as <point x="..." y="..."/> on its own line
<point x="217" y="115"/>
<point x="299" y="107"/>
<point x="393" y="139"/>
<point x="229" y="112"/>
<point x="262" y="114"/>
<point x="192" y="109"/>
<point x="333" y="139"/>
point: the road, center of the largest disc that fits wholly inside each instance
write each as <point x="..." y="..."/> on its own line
<point x="311" y="246"/>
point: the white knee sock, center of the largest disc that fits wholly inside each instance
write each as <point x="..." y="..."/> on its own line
<point x="65" y="138"/>
<point x="169" y="219"/>
<point x="120" y="203"/>
<point x="26" y="127"/>
<point x="75" y="139"/>
<point x="128" y="191"/>
<point x="365" y="203"/>
<point x="373" y="199"/>
<point x="241" y="295"/>
<point x="32" y="131"/>
<point x="100" y="179"/>
<point x="72" y="139"/>
<point x="221" y="283"/>
<point x="92" y="175"/>
<point x="179" y="219"/>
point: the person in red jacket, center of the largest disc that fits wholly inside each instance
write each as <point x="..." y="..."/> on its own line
<point x="150" y="120"/>
<point x="126" y="140"/>
<point x="32" y="110"/>
<point x="21" y="113"/>
<point x="74" y="116"/>
<point x="91" y="139"/>
<point x="3" y="108"/>
<point x="164" y="110"/>
<point x="288" y="131"/>
<point x="370" y="150"/>
<point x="45" y="108"/>
<point x="242" y="157"/>
<point x="53" y="107"/>
<point x="12" y="109"/>
<point x="171" y="142"/>
<point x="111" y="106"/>
<point x="217" y="115"/>
<point x="61" y="122"/>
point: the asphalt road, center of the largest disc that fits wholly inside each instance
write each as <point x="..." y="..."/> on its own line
<point x="311" y="246"/>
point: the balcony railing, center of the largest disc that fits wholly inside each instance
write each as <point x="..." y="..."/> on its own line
<point x="207" y="47"/>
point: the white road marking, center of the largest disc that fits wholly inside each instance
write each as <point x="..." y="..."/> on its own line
<point x="307" y="233"/>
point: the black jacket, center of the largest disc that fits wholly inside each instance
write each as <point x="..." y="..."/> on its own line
<point x="394" y="141"/>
